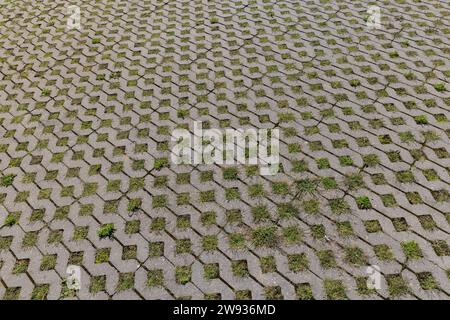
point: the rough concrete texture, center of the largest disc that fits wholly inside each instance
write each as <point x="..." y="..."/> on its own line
<point x="85" y="123"/>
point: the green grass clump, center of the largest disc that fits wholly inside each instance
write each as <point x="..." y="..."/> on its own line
<point x="383" y="252"/>
<point x="7" y="180"/>
<point x="209" y="242"/>
<point x="329" y="183"/>
<point x="12" y="219"/>
<point x="439" y="87"/>
<point x="411" y="250"/>
<point x="280" y="188"/>
<point x="129" y="252"/>
<point x="183" y="246"/>
<point x="345" y="161"/>
<point x="427" y="281"/>
<point x="236" y="240"/>
<point x="327" y="259"/>
<point x="208" y="218"/>
<point x="211" y="271"/>
<point x="155" y="278"/>
<point x="183" y="274"/>
<point x="298" y="262"/>
<point x="323" y="163"/>
<point x="371" y="160"/>
<point x="21" y="266"/>
<point x="318" y="231"/>
<point x="98" y="284"/>
<point x="161" y="163"/>
<point x="304" y="291"/>
<point x="396" y="285"/>
<point x="273" y="293"/>
<point x="339" y="206"/>
<point x="355" y="256"/>
<point x="363" y="203"/>
<point x="126" y="281"/>
<point x="260" y="214"/>
<point x="239" y="268"/>
<point x="48" y="262"/>
<point x="344" y="228"/>
<point x="268" y="264"/>
<point x="265" y="237"/>
<point x="400" y="224"/>
<point x="286" y="211"/>
<point x="422" y="119"/>
<point x="307" y="186"/>
<point x="5" y="242"/>
<point x="134" y="205"/>
<point x="158" y="224"/>
<point x="414" y="197"/>
<point x="46" y="92"/>
<point x="243" y="295"/>
<point x="335" y="290"/>
<point x="361" y="286"/>
<point x="12" y="293"/>
<point x="30" y="239"/>
<point x="183" y="222"/>
<point x="156" y="249"/>
<point x="372" y="226"/>
<point x="441" y="247"/>
<point x="393" y="54"/>
<point x="230" y="173"/>
<point x="354" y="181"/>
<point x="40" y="292"/>
<point x="405" y="176"/>
<point x="256" y="191"/>
<point x="102" y="255"/>
<point x="292" y="234"/>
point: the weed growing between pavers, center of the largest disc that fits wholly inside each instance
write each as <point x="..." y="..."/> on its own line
<point x="106" y="231"/>
<point x="7" y="180"/>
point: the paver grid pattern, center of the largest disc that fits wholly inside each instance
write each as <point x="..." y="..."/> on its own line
<point x="85" y="123"/>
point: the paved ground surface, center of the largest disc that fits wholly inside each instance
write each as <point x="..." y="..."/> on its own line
<point x="85" y="123"/>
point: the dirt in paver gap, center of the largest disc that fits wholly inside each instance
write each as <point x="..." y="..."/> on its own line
<point x="87" y="180"/>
